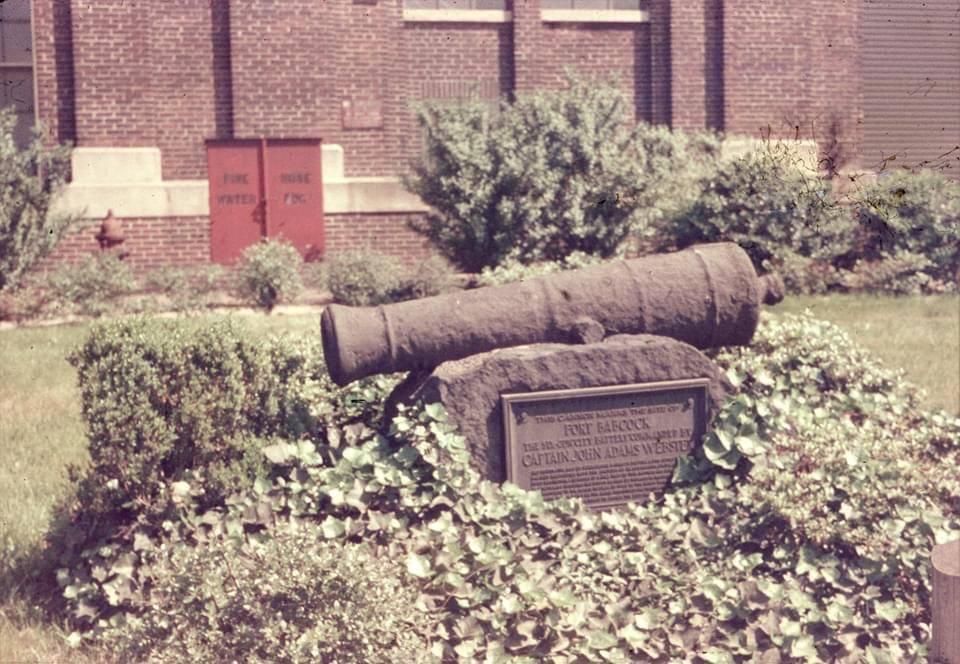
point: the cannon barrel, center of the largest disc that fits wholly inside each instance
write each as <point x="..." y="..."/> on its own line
<point x="708" y="295"/>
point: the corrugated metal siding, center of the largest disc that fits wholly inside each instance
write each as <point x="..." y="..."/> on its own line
<point x="910" y="54"/>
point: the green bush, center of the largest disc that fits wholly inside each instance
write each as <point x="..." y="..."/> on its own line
<point x="808" y="276"/>
<point x="159" y="399"/>
<point x="177" y="420"/>
<point x="903" y="273"/>
<point x="367" y="277"/>
<point x="768" y="206"/>
<point x="94" y="286"/>
<point x="364" y="277"/>
<point x="551" y="174"/>
<point x="290" y="598"/>
<point x="916" y="214"/>
<point x="30" y="180"/>
<point x="186" y="289"/>
<point x="513" y="270"/>
<point x="800" y="530"/>
<point x="431" y="276"/>
<point x="269" y="273"/>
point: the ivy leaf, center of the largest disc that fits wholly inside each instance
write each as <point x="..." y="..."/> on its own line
<point x="418" y="566"/>
<point x="279" y="453"/>
<point x="435" y="411"/>
<point x="702" y="534"/>
<point x="601" y="640"/>
<point x="888" y="611"/>
<point x="332" y="528"/>
<point x="749" y="445"/>
<point x="804" y="647"/>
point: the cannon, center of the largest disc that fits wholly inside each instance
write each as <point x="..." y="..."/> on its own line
<point x="708" y="295"/>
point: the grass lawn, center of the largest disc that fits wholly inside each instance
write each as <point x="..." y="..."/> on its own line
<point x="41" y="431"/>
<point x="920" y="335"/>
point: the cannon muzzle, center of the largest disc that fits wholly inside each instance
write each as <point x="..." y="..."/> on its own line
<point x="708" y="295"/>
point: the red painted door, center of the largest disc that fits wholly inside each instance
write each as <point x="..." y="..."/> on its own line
<point x="236" y="212"/>
<point x="264" y="188"/>
<point x="295" y="194"/>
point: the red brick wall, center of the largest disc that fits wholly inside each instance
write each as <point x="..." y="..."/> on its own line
<point x="688" y="65"/>
<point x="545" y="51"/>
<point x="111" y="57"/>
<point x="447" y="61"/>
<point x="182" y="87"/>
<point x="144" y="73"/>
<point x="294" y="63"/>
<point x="386" y="233"/>
<point x="151" y="242"/>
<point x="791" y="70"/>
<point x="53" y="59"/>
<point x="143" y="76"/>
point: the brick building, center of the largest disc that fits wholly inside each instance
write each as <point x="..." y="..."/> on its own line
<point x="139" y="86"/>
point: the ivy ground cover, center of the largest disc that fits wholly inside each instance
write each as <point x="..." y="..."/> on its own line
<point x="801" y="533"/>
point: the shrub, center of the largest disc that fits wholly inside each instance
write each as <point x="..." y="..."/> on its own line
<point x="364" y="277"/>
<point x="159" y="399"/>
<point x="801" y="529"/>
<point x="513" y="270"/>
<point x="178" y="419"/>
<point x="30" y="299"/>
<point x="291" y="598"/>
<point x="431" y="276"/>
<point x="269" y="273"/>
<point x="93" y="286"/>
<point x="769" y="207"/>
<point x="186" y="288"/>
<point x="916" y="214"/>
<point x="808" y="276"/>
<point x="29" y="181"/>
<point x="551" y="174"/>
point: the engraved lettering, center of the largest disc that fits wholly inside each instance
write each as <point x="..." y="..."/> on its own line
<point x="295" y="178"/>
<point x="236" y="199"/>
<point x="607" y="446"/>
<point x="582" y="429"/>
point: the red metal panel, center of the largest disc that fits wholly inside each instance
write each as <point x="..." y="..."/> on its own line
<point x="236" y="213"/>
<point x="295" y="194"/>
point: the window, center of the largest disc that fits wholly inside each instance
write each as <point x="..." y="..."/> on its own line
<point x="594" y="11"/>
<point x="455" y="4"/>
<point x="467" y="11"/>
<point x="590" y="4"/>
<point x="16" y="64"/>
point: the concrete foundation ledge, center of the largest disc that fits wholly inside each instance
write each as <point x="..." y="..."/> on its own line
<point x="188" y="198"/>
<point x="170" y="198"/>
<point x="369" y="195"/>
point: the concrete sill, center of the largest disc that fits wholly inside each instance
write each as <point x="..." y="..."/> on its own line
<point x="457" y="15"/>
<point x="594" y="16"/>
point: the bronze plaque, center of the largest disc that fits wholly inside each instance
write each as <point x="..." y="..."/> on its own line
<point x="362" y="113"/>
<point x="606" y="445"/>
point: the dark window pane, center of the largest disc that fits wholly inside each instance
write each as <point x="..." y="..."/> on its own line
<point x="556" y="4"/>
<point x="490" y="4"/>
<point x="625" y="4"/>
<point x="15" y="10"/>
<point x="17" y="89"/>
<point x="23" y="131"/>
<point x="16" y="42"/>
<point x="591" y="4"/>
